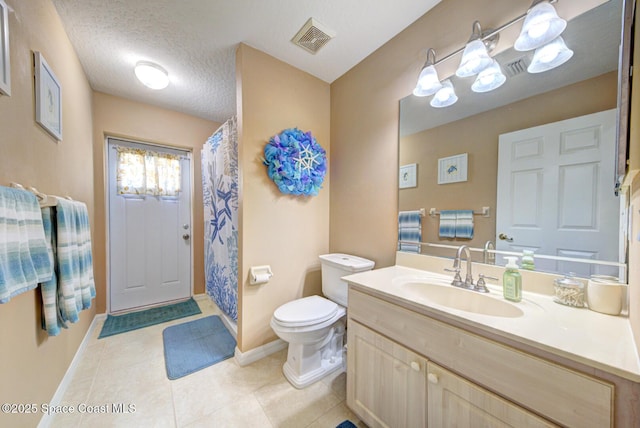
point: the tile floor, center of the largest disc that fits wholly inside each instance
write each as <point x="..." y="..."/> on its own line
<point x="129" y="369"/>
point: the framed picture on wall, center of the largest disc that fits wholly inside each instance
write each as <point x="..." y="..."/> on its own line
<point x="408" y="176"/>
<point x="5" y="58"/>
<point x="48" y="98"/>
<point x="452" y="169"/>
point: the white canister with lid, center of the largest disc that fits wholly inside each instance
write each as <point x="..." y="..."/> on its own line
<point x="605" y="294"/>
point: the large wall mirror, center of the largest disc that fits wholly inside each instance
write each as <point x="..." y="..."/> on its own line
<point x="564" y="211"/>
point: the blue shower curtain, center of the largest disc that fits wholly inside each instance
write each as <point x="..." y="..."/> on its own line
<point x="220" y="190"/>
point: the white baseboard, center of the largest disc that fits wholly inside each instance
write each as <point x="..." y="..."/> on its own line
<point x="46" y="419"/>
<point x="201" y="296"/>
<point x="245" y="358"/>
<point x="255" y="354"/>
<point x="231" y="325"/>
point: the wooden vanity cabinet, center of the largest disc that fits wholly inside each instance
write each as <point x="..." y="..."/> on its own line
<point x="388" y="388"/>
<point x="406" y="369"/>
<point x="454" y="401"/>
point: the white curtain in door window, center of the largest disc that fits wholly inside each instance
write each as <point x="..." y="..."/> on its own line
<point x="143" y="172"/>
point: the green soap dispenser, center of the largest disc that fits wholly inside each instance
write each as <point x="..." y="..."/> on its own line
<point x="512" y="281"/>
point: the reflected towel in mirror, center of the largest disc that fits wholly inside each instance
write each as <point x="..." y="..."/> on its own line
<point x="464" y="224"/>
<point x="447" y="224"/>
<point x="409" y="229"/>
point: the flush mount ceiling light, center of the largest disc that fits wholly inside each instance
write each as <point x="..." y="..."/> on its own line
<point x="445" y="96"/>
<point x="475" y="57"/>
<point x="428" y="82"/>
<point x="152" y="75"/>
<point x="550" y="56"/>
<point x="489" y="79"/>
<point x="541" y="25"/>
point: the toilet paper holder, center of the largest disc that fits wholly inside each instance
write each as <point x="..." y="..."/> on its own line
<point x="260" y="274"/>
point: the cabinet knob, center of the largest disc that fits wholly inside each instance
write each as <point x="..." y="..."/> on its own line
<point x="415" y="366"/>
<point x="433" y="378"/>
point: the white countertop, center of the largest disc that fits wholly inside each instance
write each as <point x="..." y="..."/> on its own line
<point x="602" y="341"/>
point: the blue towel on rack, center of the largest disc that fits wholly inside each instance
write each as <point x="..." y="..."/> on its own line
<point x="76" y="287"/>
<point x="464" y="224"/>
<point x="409" y="229"/>
<point x="24" y="260"/>
<point x="51" y="316"/>
<point x="447" y="224"/>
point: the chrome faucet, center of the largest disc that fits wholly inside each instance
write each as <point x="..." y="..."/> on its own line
<point x="487" y="256"/>
<point x="457" y="279"/>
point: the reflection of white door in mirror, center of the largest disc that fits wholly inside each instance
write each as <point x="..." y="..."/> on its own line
<point x="554" y="193"/>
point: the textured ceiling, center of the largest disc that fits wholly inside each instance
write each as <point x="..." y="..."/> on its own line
<point x="195" y="41"/>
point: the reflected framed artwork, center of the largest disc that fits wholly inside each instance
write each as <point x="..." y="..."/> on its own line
<point x="452" y="169"/>
<point x="408" y="175"/>
<point x="48" y="98"/>
<point x="5" y="58"/>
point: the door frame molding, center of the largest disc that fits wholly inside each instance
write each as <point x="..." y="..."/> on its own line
<point x="188" y="151"/>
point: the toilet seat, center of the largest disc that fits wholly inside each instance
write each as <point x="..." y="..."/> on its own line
<point x="307" y="311"/>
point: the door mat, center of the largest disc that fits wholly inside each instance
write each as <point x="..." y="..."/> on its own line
<point x="116" y="324"/>
<point x="194" y="345"/>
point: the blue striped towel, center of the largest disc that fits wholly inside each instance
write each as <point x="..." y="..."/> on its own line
<point x="464" y="224"/>
<point x="409" y="229"/>
<point x="24" y="260"/>
<point x="447" y="224"/>
<point x="51" y="315"/>
<point x="76" y="287"/>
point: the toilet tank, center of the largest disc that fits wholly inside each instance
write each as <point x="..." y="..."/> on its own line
<point x="334" y="267"/>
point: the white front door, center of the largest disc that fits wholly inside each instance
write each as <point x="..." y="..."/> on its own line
<point x="149" y="240"/>
<point x="555" y="192"/>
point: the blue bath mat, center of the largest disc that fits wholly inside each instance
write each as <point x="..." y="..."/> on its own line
<point x="347" y="424"/>
<point x="116" y="324"/>
<point x="194" y="345"/>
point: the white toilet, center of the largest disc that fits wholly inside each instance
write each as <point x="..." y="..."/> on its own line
<point x="314" y="326"/>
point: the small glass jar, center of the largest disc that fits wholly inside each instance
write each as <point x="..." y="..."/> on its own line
<point x="569" y="291"/>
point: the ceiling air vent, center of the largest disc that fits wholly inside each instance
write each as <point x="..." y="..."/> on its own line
<point x="516" y="67"/>
<point x="312" y="36"/>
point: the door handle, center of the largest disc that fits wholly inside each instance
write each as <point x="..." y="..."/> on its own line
<point x="186" y="236"/>
<point x="504" y="237"/>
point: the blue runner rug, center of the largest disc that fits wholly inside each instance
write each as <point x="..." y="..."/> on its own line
<point x="194" y="345"/>
<point x="116" y="324"/>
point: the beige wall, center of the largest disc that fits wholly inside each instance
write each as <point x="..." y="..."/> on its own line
<point x="114" y="116"/>
<point x="364" y="118"/>
<point x="478" y="136"/>
<point x="284" y="231"/>
<point x="31" y="363"/>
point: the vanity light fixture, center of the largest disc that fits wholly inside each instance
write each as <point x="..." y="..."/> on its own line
<point x="541" y="31"/>
<point x="475" y="57"/>
<point x="550" y="56"/>
<point x="152" y="75"/>
<point x="428" y="81"/>
<point x="541" y="25"/>
<point x="445" y="96"/>
<point x="489" y="79"/>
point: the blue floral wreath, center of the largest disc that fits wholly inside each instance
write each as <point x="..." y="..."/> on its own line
<point x="295" y="162"/>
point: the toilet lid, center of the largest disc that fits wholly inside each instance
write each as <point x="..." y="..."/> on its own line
<point x="306" y="311"/>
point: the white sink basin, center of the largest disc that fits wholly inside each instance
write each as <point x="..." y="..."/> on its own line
<point x="460" y="299"/>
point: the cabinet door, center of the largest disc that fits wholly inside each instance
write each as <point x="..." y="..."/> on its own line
<point x="454" y="401"/>
<point x="386" y="383"/>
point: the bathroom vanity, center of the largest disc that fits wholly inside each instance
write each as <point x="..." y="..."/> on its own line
<point x="424" y="353"/>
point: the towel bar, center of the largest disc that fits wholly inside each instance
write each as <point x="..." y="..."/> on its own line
<point x="484" y="213"/>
